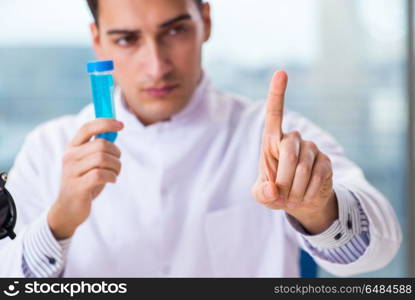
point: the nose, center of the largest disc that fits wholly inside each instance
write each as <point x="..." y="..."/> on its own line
<point x="156" y="62"/>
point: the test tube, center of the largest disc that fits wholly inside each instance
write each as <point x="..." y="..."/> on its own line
<point x="102" y="85"/>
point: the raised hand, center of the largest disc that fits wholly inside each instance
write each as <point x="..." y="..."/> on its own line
<point x="294" y="175"/>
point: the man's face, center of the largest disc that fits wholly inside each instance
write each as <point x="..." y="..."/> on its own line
<point x="156" y="46"/>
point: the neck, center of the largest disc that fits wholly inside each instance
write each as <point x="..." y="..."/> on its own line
<point x="146" y="121"/>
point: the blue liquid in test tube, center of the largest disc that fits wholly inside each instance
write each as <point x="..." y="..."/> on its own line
<point x="102" y="85"/>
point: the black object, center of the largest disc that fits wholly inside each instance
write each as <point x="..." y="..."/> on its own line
<point x="8" y="213"/>
<point x="51" y="260"/>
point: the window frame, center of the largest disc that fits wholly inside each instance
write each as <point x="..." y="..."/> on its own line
<point x="411" y="131"/>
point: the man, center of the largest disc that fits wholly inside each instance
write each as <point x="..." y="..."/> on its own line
<point x="183" y="203"/>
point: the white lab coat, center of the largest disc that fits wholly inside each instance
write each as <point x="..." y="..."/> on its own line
<point x="182" y="206"/>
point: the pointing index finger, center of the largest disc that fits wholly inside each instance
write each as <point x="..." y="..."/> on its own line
<point x="275" y="104"/>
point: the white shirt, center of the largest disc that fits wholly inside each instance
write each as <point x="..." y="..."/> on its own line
<point x="182" y="205"/>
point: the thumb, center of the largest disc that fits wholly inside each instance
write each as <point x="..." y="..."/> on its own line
<point x="269" y="191"/>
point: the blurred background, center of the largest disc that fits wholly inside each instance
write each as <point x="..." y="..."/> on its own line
<point x="347" y="61"/>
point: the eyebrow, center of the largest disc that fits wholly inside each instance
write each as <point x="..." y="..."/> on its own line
<point x="175" y="20"/>
<point x="163" y="25"/>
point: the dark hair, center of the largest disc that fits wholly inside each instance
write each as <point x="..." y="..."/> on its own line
<point x="93" y="6"/>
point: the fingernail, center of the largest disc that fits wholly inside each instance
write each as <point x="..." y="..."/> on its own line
<point x="281" y="198"/>
<point x="291" y="205"/>
<point x="268" y="191"/>
<point x="120" y="124"/>
<point x="279" y="74"/>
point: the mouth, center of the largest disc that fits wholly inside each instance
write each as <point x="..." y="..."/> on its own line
<point x="160" y="92"/>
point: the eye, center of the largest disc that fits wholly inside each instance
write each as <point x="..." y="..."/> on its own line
<point x="177" y="30"/>
<point x="126" y="41"/>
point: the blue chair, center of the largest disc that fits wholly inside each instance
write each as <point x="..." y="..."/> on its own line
<point x="308" y="267"/>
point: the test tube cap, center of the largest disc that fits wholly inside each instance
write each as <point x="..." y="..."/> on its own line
<point x="100" y="66"/>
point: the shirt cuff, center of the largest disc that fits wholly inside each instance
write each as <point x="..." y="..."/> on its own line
<point x="340" y="233"/>
<point x="43" y="255"/>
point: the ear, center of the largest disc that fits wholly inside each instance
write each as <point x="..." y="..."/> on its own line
<point x="207" y="20"/>
<point x="96" y="41"/>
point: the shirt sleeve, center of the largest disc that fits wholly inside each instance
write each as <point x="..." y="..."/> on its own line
<point x="43" y="255"/>
<point x="346" y="239"/>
